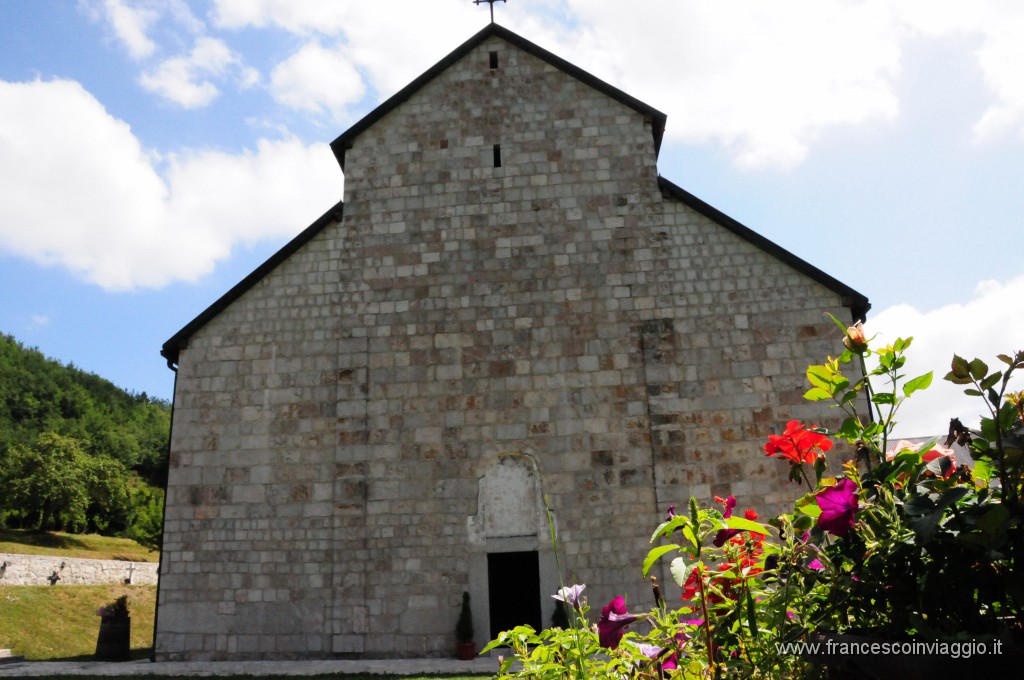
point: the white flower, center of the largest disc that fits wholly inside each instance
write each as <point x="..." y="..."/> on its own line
<point x="569" y="594"/>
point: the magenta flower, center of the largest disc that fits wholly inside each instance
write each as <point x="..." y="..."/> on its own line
<point x="671" y="513"/>
<point x="652" y="652"/>
<point x="614" y="620"/>
<point x="728" y="503"/>
<point x="724" y="535"/>
<point x="838" y="505"/>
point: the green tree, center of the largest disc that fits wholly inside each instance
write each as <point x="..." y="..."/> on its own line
<point x="41" y="395"/>
<point x="77" y="452"/>
<point x="145" y="524"/>
<point x="107" y="487"/>
<point x="46" y="485"/>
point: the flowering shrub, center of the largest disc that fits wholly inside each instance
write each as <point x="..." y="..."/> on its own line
<point x="905" y="542"/>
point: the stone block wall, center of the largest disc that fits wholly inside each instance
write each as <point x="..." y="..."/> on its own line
<point x="39" y="570"/>
<point x="553" y="319"/>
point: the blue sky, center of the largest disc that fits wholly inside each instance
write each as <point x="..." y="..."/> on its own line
<point x="153" y="152"/>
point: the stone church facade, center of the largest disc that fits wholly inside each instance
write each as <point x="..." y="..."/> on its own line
<point x="509" y="308"/>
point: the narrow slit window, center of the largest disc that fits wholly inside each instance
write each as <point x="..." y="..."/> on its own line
<point x="497" y="155"/>
<point x="494" y="59"/>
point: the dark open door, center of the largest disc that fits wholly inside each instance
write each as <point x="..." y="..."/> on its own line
<point x="513" y="589"/>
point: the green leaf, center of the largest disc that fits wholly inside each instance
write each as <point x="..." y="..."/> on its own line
<point x="678" y="569"/>
<point x="978" y="369"/>
<point x="1007" y="416"/>
<point x="972" y="392"/>
<point x="1005" y="359"/>
<point x="851" y="426"/>
<point x="956" y="380"/>
<point x="820" y="376"/>
<point x="817" y="394"/>
<point x="838" y="323"/>
<point x="493" y="644"/>
<point x="995" y="521"/>
<point x="960" y="369"/>
<point x="808" y="505"/>
<point x="692" y="536"/>
<point x="751" y="616"/>
<point x="667" y="528"/>
<point x="982" y="472"/>
<point x="988" y="429"/>
<point x="804" y="522"/>
<point x="883" y="398"/>
<point x="991" y="380"/>
<point x="918" y="383"/>
<point x="925" y="515"/>
<point x="655" y="554"/>
<point x="744" y="524"/>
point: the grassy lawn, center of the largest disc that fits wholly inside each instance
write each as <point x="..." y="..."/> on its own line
<point x="87" y="546"/>
<point x="60" y="622"/>
<point x="339" y="676"/>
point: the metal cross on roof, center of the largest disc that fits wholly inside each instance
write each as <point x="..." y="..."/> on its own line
<point x="489" y="2"/>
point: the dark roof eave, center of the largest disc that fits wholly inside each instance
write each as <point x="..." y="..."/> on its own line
<point x="345" y="140"/>
<point x="179" y="340"/>
<point x="857" y="302"/>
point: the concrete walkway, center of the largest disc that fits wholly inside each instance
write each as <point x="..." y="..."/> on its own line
<point x="214" y="668"/>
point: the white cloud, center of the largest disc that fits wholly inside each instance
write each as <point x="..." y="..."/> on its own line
<point x="316" y="78"/>
<point x="993" y="29"/>
<point x="991" y="323"/>
<point x="1001" y="59"/>
<point x="761" y="79"/>
<point x="39" y="321"/>
<point x="180" y="79"/>
<point x="391" y="42"/>
<point x="118" y="223"/>
<point x="284" y="186"/>
<point x="131" y="24"/>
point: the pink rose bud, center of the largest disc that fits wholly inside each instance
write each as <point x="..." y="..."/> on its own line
<point x="855" y="340"/>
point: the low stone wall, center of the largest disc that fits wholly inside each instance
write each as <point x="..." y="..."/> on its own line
<point x="40" y="570"/>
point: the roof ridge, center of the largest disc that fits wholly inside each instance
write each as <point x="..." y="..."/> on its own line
<point x="856" y="301"/>
<point x="343" y="142"/>
<point x="179" y="340"/>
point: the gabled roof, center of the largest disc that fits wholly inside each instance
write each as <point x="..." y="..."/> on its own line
<point x="179" y="340"/>
<point x="857" y="302"/>
<point x="344" y="141"/>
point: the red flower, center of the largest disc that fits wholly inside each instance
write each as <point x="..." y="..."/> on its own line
<point x="692" y="585"/>
<point x="940" y="463"/>
<point x="797" y="444"/>
<point x="724" y="535"/>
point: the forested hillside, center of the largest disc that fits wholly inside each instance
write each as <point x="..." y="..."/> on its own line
<point x="77" y="453"/>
